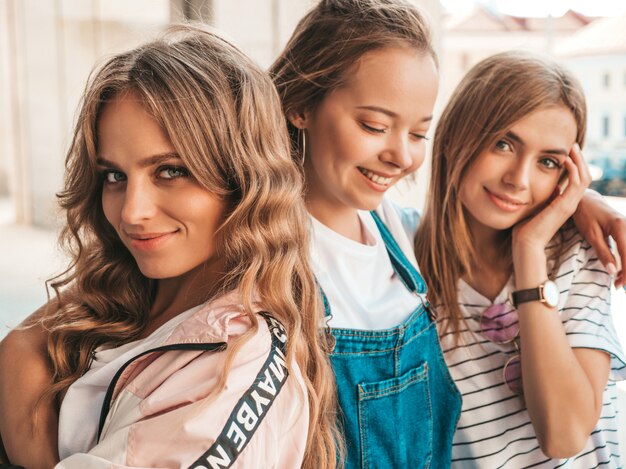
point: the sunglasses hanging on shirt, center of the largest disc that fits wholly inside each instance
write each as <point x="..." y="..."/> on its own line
<point x="499" y="323"/>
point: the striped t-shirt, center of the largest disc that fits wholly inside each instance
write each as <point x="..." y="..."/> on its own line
<point x="494" y="430"/>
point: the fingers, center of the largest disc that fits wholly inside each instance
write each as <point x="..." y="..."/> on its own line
<point x="617" y="231"/>
<point x="579" y="160"/>
<point x="578" y="175"/>
<point x="601" y="245"/>
<point x="573" y="192"/>
<point x="593" y="219"/>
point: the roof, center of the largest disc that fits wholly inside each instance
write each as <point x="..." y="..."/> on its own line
<point x="482" y="19"/>
<point x="603" y="36"/>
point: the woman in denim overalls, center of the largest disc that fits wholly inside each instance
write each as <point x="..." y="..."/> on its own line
<point x="358" y="82"/>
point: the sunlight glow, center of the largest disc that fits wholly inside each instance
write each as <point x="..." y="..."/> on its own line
<point x="540" y="7"/>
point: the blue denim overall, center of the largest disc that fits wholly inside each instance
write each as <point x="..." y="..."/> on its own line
<point x="399" y="405"/>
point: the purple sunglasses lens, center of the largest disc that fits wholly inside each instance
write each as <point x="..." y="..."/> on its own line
<point x="499" y="323"/>
<point x="513" y="374"/>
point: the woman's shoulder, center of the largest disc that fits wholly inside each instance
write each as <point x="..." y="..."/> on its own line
<point x="242" y="380"/>
<point x="223" y="320"/>
<point x="207" y="335"/>
<point x="394" y="214"/>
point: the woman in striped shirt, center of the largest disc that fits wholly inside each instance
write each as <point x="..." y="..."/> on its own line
<point x="523" y="303"/>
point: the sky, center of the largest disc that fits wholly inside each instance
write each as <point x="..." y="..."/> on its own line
<point x="543" y="7"/>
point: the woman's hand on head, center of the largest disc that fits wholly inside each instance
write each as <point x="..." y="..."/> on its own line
<point x="597" y="220"/>
<point x="538" y="230"/>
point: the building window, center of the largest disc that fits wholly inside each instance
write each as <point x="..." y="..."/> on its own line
<point x="606" y="122"/>
<point x="606" y="80"/>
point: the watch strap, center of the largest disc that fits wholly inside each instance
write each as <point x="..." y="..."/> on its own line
<point x="524" y="296"/>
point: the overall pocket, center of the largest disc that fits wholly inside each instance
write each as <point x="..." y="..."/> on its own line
<point x="395" y="421"/>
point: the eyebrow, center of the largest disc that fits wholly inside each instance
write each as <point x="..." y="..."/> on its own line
<point x="389" y="113"/>
<point x="552" y="151"/>
<point x="146" y="162"/>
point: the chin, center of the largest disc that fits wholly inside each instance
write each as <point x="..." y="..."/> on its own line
<point x="369" y="203"/>
<point x="156" y="272"/>
<point x="502" y="225"/>
<point x="496" y="223"/>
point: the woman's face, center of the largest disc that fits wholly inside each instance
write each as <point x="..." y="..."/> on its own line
<point x="518" y="173"/>
<point x="165" y="218"/>
<point x="369" y="133"/>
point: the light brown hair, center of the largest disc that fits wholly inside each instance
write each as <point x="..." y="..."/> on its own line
<point x="331" y="38"/>
<point x="494" y="95"/>
<point x="222" y="115"/>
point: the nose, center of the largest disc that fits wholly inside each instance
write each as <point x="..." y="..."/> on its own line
<point x="399" y="153"/>
<point x="517" y="174"/>
<point x="139" y="203"/>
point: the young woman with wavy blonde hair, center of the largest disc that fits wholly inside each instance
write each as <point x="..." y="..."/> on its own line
<point x="522" y="300"/>
<point x="189" y="313"/>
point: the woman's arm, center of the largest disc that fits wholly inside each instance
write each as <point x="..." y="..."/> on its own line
<point x="24" y="375"/>
<point x="597" y="220"/>
<point x="563" y="387"/>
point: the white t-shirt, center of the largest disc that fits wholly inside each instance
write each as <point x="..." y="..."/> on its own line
<point x="80" y="411"/>
<point x="359" y="281"/>
<point x="495" y="430"/>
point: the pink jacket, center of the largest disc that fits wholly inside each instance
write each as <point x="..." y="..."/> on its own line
<point x="162" y="414"/>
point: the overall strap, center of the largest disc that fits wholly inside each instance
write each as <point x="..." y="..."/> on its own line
<point x="408" y="274"/>
<point x="327" y="312"/>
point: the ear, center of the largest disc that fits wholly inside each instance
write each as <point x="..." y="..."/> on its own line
<point x="298" y="119"/>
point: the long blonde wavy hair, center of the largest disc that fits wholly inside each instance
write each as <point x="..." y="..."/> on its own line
<point x="494" y="95"/>
<point x="331" y="38"/>
<point x="223" y="116"/>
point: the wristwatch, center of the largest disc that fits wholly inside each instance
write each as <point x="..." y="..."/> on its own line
<point x="547" y="292"/>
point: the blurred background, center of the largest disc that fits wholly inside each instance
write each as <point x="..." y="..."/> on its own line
<point x="48" y="47"/>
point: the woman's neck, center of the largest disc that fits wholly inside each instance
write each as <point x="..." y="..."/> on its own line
<point x="343" y="220"/>
<point x="492" y="264"/>
<point x="176" y="295"/>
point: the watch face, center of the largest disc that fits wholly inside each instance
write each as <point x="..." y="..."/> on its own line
<point x="551" y="293"/>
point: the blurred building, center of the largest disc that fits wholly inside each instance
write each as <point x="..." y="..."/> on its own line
<point x="472" y="36"/>
<point x="48" y="47"/>
<point x="597" y="55"/>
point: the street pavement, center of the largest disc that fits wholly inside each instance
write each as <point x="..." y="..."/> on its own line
<point x="28" y="257"/>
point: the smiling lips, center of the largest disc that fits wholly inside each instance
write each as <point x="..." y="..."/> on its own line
<point x="149" y="241"/>
<point x="507" y="204"/>
<point x="376" y="178"/>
